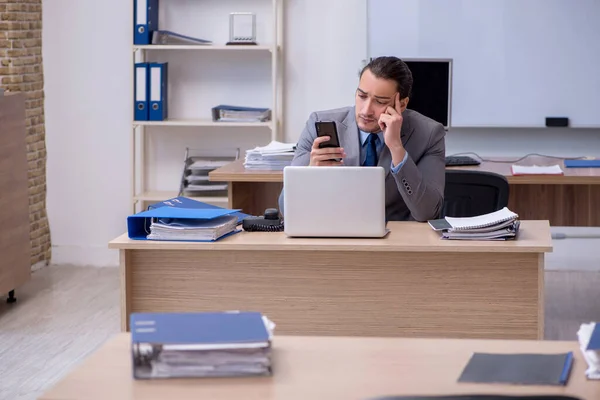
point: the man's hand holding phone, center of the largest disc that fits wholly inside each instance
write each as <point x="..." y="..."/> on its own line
<point x="326" y="156"/>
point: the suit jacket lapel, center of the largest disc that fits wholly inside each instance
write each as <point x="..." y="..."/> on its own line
<point x="349" y="139"/>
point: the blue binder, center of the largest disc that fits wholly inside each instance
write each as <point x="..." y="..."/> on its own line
<point x="159" y="91"/>
<point x="141" y="91"/>
<point x="199" y="328"/>
<point x="138" y="225"/>
<point x="593" y="163"/>
<point x="145" y="20"/>
<point x="184" y="202"/>
<point x="594" y="343"/>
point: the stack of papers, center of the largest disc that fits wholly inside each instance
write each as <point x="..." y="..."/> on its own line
<point x="274" y="157"/>
<point x="192" y="229"/>
<point x="498" y="225"/>
<point x="589" y="342"/>
<point x="194" y="345"/>
<point x="536" y="170"/>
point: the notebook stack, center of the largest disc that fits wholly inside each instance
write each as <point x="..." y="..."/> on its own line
<point x="196" y="345"/>
<point x="499" y="225"/>
<point x="589" y="342"/>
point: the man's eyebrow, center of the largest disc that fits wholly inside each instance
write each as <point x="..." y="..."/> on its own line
<point x="377" y="97"/>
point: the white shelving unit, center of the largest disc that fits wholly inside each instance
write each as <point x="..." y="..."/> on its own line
<point x="141" y="193"/>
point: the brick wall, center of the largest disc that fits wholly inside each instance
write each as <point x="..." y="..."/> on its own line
<point x="21" y="70"/>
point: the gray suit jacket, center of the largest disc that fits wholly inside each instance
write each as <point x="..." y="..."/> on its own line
<point x="416" y="192"/>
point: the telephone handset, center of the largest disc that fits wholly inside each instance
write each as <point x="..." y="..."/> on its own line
<point x="270" y="222"/>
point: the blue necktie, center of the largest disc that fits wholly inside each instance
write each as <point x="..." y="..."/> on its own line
<point x="371" y="158"/>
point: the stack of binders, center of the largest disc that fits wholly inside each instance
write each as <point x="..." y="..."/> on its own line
<point x="498" y="225"/>
<point x="196" y="345"/>
<point x="151" y="88"/>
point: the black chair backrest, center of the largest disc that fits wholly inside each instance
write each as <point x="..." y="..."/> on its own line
<point x="471" y="193"/>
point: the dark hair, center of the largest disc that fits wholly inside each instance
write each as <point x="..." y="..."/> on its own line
<point x="394" y="69"/>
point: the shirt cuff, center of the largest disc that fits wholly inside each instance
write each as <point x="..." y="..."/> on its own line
<point x="397" y="167"/>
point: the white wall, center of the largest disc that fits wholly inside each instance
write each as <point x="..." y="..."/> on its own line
<point x="87" y="62"/>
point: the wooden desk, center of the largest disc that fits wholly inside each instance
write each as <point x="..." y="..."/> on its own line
<point x="324" y="368"/>
<point x="410" y="283"/>
<point x="568" y="200"/>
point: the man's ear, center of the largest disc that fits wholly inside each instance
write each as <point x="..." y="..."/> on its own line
<point x="404" y="103"/>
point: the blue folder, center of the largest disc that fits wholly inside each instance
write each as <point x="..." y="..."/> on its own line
<point x="138" y="225"/>
<point x="593" y="163"/>
<point x="199" y="328"/>
<point x="184" y="202"/>
<point x="145" y="21"/>
<point x="140" y="87"/>
<point x="594" y="343"/>
<point x="158" y="91"/>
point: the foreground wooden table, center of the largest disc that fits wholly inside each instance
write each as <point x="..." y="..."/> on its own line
<point x="325" y="368"/>
<point x="410" y="283"/>
<point x="568" y="200"/>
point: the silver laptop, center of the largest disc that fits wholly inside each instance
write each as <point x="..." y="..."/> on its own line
<point x="334" y="201"/>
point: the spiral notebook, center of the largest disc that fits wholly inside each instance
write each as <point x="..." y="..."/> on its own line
<point x="502" y="224"/>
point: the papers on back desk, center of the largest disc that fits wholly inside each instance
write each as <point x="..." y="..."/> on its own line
<point x="274" y="156"/>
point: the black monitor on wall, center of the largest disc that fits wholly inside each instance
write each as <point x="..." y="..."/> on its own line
<point x="432" y="88"/>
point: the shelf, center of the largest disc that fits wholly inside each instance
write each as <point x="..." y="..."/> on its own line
<point x="165" y="195"/>
<point x="204" y="122"/>
<point x="203" y="47"/>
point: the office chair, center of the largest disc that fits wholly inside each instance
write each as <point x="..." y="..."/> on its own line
<point x="471" y="193"/>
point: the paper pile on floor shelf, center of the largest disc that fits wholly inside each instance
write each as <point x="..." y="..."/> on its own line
<point x="498" y="225"/>
<point x="195" y="345"/>
<point x="589" y="342"/>
<point x="274" y="157"/>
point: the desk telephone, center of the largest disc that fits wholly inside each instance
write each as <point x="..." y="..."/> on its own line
<point x="270" y="222"/>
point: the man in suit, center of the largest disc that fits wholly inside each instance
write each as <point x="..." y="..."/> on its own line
<point x="379" y="130"/>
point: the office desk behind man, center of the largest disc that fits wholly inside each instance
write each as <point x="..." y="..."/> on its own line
<point x="566" y="200"/>
<point x="411" y="283"/>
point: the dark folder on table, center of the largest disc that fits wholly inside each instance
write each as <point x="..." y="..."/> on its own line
<point x="519" y="369"/>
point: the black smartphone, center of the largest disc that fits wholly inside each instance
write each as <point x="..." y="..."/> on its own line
<point x="328" y="128"/>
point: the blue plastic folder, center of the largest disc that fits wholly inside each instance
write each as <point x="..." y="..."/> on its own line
<point x="587" y="163"/>
<point x="184" y="202"/>
<point x="138" y="225"/>
<point x="594" y="343"/>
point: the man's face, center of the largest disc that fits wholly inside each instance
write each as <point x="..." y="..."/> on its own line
<point x="373" y="97"/>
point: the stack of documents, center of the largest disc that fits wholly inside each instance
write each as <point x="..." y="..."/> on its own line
<point x="536" y="170"/>
<point x="193" y="345"/>
<point x="192" y="229"/>
<point x="228" y="113"/>
<point x="499" y="225"/>
<point x="275" y="156"/>
<point x="589" y="342"/>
